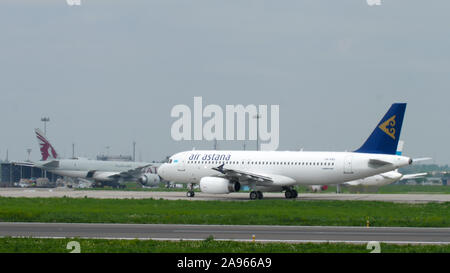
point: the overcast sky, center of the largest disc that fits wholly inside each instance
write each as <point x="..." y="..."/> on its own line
<point x="109" y="72"/>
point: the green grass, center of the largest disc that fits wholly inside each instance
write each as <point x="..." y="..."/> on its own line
<point x="36" y="245"/>
<point x="262" y="212"/>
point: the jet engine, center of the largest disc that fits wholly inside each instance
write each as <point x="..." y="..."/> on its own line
<point x="217" y="185"/>
<point x="149" y="179"/>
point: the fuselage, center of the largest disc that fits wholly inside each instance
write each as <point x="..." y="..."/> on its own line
<point x="301" y="168"/>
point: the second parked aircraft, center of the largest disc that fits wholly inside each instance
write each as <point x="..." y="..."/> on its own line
<point x="104" y="172"/>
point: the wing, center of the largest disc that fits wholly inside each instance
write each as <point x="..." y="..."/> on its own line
<point x="132" y="173"/>
<point x="243" y="177"/>
<point x="248" y="177"/>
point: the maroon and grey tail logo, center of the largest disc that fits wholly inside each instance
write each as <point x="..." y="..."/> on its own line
<point x="45" y="146"/>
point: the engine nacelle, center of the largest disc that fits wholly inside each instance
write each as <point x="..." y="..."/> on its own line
<point x="217" y="185"/>
<point x="149" y="179"/>
<point x="319" y="188"/>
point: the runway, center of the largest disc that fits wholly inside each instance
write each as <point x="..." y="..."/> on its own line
<point x="110" y="194"/>
<point x="292" y="234"/>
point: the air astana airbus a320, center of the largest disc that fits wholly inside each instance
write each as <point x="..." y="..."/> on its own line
<point x="223" y="172"/>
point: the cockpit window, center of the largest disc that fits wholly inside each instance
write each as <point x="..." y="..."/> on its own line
<point x="170" y="161"/>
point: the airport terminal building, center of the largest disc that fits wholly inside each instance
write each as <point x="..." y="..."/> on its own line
<point x="12" y="173"/>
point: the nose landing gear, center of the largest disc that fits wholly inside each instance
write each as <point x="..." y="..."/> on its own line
<point x="191" y="192"/>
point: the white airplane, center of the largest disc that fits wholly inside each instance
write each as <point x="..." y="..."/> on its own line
<point x="223" y="172"/>
<point x="380" y="179"/>
<point x="384" y="179"/>
<point x="105" y="172"/>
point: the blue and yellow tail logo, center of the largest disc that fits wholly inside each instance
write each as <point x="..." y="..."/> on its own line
<point x="389" y="127"/>
<point x="384" y="139"/>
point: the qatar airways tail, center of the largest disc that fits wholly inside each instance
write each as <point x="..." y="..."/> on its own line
<point x="223" y="172"/>
<point x="47" y="150"/>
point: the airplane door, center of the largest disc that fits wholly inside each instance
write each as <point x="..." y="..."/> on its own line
<point x="348" y="168"/>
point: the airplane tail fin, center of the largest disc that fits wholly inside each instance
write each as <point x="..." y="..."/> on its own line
<point x="47" y="150"/>
<point x="384" y="139"/>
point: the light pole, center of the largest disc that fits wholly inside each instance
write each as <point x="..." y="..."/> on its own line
<point x="257" y="117"/>
<point x="45" y="120"/>
<point x="29" y="153"/>
<point x="134" y="151"/>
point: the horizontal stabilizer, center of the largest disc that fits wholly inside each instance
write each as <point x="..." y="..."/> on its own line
<point x="24" y="164"/>
<point x="413" y="176"/>
<point x="52" y="164"/>
<point x="421" y="159"/>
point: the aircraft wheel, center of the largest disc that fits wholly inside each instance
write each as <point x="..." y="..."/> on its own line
<point x="253" y="195"/>
<point x="288" y="194"/>
<point x="190" y="194"/>
<point x="295" y="193"/>
<point x="260" y="195"/>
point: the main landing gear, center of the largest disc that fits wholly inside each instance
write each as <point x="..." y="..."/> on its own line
<point x="256" y="195"/>
<point x="291" y="194"/>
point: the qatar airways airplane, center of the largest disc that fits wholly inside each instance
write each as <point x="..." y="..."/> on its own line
<point x="103" y="172"/>
<point x="223" y="172"/>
